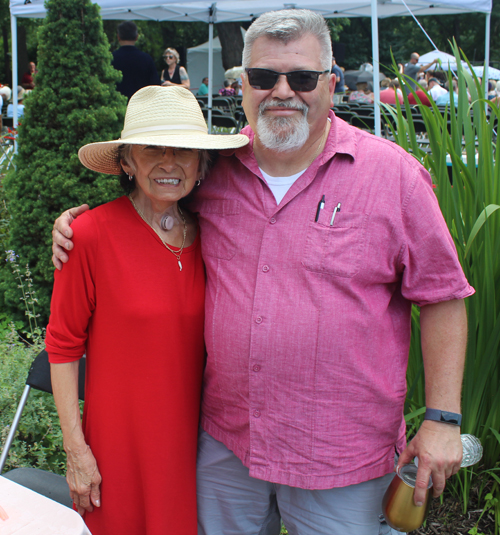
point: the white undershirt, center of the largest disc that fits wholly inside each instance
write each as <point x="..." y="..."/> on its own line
<point x="279" y="185"/>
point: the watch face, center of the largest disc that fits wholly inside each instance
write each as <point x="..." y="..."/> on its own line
<point x="450" y="418"/>
<point x="446" y="417"/>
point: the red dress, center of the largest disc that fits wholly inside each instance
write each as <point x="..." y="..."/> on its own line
<point x="122" y="299"/>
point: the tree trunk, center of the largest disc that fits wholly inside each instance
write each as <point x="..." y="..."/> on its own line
<point x="231" y="42"/>
<point x="22" y="53"/>
<point x="6" y="56"/>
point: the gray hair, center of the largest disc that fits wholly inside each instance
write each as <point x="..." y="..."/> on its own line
<point x="289" y="25"/>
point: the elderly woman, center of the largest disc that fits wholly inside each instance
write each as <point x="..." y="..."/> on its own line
<point x="132" y="299"/>
<point x="174" y="74"/>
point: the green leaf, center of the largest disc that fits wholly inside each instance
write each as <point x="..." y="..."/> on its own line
<point x="480" y="221"/>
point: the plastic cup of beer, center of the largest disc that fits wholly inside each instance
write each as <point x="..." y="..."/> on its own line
<point x="398" y="506"/>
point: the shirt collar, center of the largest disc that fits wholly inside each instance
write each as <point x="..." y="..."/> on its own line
<point x="341" y="140"/>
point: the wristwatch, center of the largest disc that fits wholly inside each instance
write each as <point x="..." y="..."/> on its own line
<point x="446" y="417"/>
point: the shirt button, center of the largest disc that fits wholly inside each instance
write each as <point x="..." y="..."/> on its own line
<point x="265" y="269"/>
<point x="258" y="319"/>
<point x="272" y="220"/>
<point x="256" y="414"/>
<point x="256" y="368"/>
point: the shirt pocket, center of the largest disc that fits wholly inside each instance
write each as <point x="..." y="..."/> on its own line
<point x="220" y="220"/>
<point x="336" y="250"/>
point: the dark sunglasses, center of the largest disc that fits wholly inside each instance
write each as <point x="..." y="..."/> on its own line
<point x="297" y="80"/>
<point x="169" y="57"/>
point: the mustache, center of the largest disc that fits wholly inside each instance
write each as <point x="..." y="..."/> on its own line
<point x="277" y="103"/>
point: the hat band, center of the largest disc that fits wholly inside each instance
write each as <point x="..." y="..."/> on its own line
<point x="162" y="128"/>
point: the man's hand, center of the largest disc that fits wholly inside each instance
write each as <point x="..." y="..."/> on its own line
<point x="83" y="478"/>
<point x="62" y="234"/>
<point x="439" y="451"/>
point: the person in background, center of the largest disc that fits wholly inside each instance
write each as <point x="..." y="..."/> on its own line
<point x="138" y="68"/>
<point x="363" y="94"/>
<point x="20" y="106"/>
<point x="28" y="79"/>
<point x="203" y="90"/>
<point x="385" y="83"/>
<point x="339" y="82"/>
<point x="174" y="74"/>
<point x="411" y="69"/>
<point x="435" y="89"/>
<point x="444" y="98"/>
<point x="237" y="88"/>
<point x="227" y="90"/>
<point x="5" y="93"/>
<point x="492" y="90"/>
<point x="422" y="96"/>
<point x="389" y="95"/>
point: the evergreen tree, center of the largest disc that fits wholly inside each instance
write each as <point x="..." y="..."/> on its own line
<point x="74" y="102"/>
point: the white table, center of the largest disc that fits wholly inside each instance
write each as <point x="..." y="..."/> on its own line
<point x="31" y="513"/>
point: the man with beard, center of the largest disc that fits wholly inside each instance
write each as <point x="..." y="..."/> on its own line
<point x="317" y="238"/>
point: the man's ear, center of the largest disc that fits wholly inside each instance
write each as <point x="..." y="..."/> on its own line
<point x="331" y="87"/>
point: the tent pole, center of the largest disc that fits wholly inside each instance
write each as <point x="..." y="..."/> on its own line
<point x="211" y="21"/>
<point x="15" y="81"/>
<point x="376" y="68"/>
<point x="486" y="53"/>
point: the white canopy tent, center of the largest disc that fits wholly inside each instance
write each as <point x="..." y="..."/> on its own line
<point x="493" y="74"/>
<point x="246" y="10"/>
<point x="447" y="60"/>
<point x="197" y="62"/>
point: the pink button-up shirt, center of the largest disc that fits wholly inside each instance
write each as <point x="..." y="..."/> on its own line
<point x="308" y="324"/>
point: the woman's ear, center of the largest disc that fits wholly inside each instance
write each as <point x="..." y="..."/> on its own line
<point x="126" y="167"/>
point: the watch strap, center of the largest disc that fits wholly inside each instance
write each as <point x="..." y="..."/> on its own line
<point x="445" y="417"/>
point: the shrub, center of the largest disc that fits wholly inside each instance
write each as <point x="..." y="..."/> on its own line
<point x="38" y="442"/>
<point x="74" y="102"/>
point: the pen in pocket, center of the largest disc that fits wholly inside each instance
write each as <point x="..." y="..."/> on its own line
<point x="321" y="205"/>
<point x="335" y="210"/>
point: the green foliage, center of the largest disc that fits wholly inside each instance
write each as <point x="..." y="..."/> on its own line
<point x="38" y="442"/>
<point x="75" y="102"/>
<point x="469" y="203"/>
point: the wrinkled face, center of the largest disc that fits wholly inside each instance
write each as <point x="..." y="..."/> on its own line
<point x="281" y="108"/>
<point x="164" y="174"/>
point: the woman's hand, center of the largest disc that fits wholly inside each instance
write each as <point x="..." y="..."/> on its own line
<point x="61" y="234"/>
<point x="83" y="478"/>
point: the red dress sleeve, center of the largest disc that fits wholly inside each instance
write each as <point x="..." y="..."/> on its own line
<point x="73" y="297"/>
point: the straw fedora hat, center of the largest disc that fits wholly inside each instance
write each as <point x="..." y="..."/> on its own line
<point x="163" y="116"/>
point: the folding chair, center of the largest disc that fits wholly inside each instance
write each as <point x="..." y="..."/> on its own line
<point x="51" y="485"/>
<point x="364" y="122"/>
<point x="346" y="115"/>
<point x="225" y="121"/>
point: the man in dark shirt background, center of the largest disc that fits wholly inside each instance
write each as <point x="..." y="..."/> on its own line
<point x="339" y="82"/>
<point x="137" y="67"/>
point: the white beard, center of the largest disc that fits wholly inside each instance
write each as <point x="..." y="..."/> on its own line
<point x="281" y="134"/>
